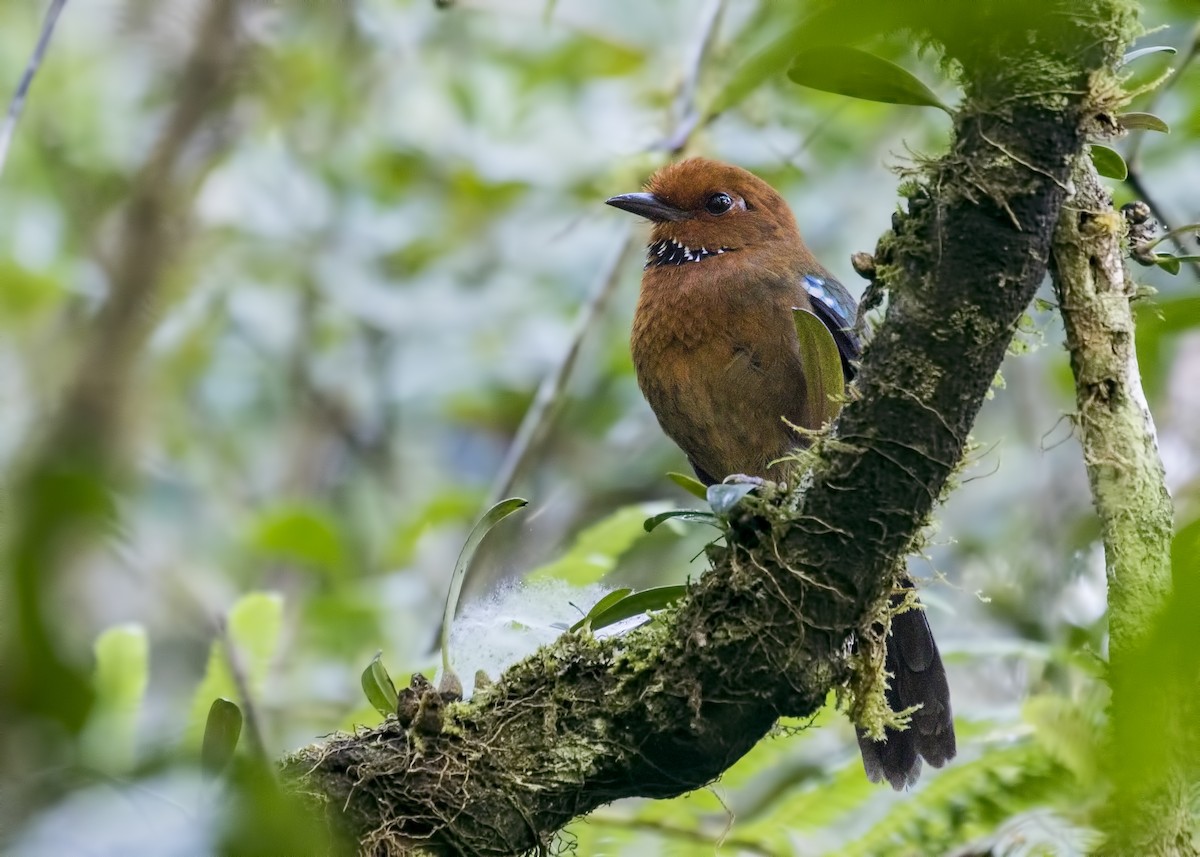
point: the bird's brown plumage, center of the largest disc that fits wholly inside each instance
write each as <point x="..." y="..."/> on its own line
<point x="713" y="341"/>
<point x="717" y="356"/>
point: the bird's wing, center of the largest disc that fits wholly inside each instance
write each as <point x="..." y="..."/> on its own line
<point x="838" y="310"/>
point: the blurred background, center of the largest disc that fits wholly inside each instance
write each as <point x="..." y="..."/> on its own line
<point x="360" y="237"/>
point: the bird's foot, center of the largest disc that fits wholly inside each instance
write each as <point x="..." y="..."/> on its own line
<point x="743" y="479"/>
<point x="756" y="481"/>
<point x="734" y="487"/>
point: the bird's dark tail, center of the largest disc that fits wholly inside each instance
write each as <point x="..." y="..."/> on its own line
<point x="918" y="678"/>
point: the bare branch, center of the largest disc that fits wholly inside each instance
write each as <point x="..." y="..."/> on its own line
<point x="9" y="127"/>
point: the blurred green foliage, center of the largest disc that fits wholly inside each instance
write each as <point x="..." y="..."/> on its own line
<point x="239" y="658"/>
<point x="395" y="218"/>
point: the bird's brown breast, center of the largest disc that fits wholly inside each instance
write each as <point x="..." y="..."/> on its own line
<point x="720" y="368"/>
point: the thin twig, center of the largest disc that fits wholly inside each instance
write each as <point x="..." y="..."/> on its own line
<point x="1138" y="185"/>
<point x="1133" y="159"/>
<point x="687" y="115"/>
<point x="18" y="102"/>
<point x="1171" y="234"/>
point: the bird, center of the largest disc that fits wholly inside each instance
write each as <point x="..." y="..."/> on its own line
<point x="719" y="359"/>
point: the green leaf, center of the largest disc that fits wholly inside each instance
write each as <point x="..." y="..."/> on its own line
<point x="378" y="686"/>
<point x="1170" y="263"/>
<point x="638" y="603"/>
<point x="122" y="670"/>
<point x="825" y="381"/>
<point x="253" y="626"/>
<point x="696" y="516"/>
<point x="597" y="548"/>
<point x="26" y="294"/>
<point x="490" y="518"/>
<point x="222" y="729"/>
<point x="689" y="484"/>
<point x="1167" y="262"/>
<point x="1109" y="162"/>
<point x="858" y="74"/>
<point x="1143" y="122"/>
<point x="122" y="662"/>
<point x="302" y="533"/>
<point x="602" y="605"/>
<point x="725" y="496"/>
<point x="1142" y="52"/>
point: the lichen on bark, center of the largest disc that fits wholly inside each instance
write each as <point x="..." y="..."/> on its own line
<point x="1149" y="809"/>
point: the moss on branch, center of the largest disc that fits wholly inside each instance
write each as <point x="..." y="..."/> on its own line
<point x="1149" y="811"/>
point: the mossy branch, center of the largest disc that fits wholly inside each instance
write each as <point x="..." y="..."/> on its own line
<point x="767" y="631"/>
<point x="1149" y="812"/>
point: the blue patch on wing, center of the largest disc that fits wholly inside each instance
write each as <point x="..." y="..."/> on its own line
<point x="833" y="305"/>
<point x="833" y="296"/>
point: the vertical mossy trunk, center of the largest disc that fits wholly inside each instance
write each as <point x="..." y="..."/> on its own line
<point x="1148" y="811"/>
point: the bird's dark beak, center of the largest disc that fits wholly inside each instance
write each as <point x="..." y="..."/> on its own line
<point x="648" y="206"/>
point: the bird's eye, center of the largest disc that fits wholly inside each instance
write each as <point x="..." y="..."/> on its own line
<point x="719" y="203"/>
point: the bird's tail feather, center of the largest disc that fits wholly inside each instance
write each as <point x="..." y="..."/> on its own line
<point x="918" y="678"/>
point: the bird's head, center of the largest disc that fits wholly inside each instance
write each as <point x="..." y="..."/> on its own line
<point x="709" y="206"/>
